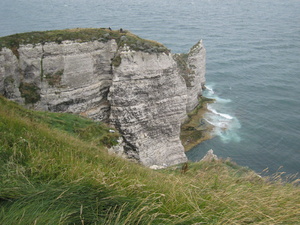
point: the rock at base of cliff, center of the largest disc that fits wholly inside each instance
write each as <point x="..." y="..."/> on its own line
<point x="210" y="156"/>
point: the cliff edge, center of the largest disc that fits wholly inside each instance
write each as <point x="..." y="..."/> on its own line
<point x="136" y="85"/>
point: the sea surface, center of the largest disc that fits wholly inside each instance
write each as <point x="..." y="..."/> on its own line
<point x="253" y="63"/>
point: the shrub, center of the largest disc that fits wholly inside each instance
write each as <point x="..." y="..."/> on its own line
<point x="30" y="91"/>
<point x="55" y="78"/>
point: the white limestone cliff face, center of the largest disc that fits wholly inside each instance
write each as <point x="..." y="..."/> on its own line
<point x="148" y="102"/>
<point x="192" y="67"/>
<point x="196" y="61"/>
<point x="145" y="96"/>
<point x="68" y="77"/>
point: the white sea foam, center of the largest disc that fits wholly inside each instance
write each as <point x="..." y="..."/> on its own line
<point x="210" y="93"/>
<point x="209" y="89"/>
<point x="222" y="100"/>
<point x="225" y="125"/>
<point x="227" y="116"/>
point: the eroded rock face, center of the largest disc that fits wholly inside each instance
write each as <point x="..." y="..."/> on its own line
<point x="148" y="103"/>
<point x="144" y="95"/>
<point x="68" y="77"/>
<point x="196" y="61"/>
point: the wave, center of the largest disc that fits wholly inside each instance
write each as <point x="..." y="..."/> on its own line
<point x="227" y="116"/>
<point x="210" y="93"/>
<point x="209" y="89"/>
<point x="225" y="125"/>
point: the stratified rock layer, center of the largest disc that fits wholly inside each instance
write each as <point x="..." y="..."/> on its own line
<point x="70" y="77"/>
<point x="148" y="102"/>
<point x="196" y="61"/>
<point x="143" y="94"/>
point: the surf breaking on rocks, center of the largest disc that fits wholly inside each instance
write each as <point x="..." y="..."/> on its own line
<point x="226" y="126"/>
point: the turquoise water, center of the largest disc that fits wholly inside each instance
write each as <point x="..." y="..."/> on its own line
<point x="253" y="62"/>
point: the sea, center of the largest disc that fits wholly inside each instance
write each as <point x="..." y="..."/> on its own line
<point x="252" y="70"/>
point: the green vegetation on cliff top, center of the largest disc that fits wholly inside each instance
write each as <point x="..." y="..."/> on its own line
<point x="81" y="35"/>
<point x="55" y="169"/>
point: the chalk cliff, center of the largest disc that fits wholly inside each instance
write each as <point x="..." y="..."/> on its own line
<point x="135" y="85"/>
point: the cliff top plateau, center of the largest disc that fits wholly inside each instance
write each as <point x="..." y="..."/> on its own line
<point x="81" y="35"/>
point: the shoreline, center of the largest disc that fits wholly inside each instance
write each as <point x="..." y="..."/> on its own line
<point x="196" y="129"/>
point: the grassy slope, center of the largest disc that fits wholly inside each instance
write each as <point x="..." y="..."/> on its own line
<point x="49" y="174"/>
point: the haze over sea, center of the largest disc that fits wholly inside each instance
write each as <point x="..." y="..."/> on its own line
<point x="253" y="62"/>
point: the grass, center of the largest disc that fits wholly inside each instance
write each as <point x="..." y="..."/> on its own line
<point x="49" y="174"/>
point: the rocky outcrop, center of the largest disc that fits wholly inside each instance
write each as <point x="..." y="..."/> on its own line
<point x="192" y="67"/>
<point x="196" y="61"/>
<point x="210" y="156"/>
<point x="145" y="92"/>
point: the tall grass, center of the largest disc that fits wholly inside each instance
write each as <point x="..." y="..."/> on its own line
<point x="53" y="175"/>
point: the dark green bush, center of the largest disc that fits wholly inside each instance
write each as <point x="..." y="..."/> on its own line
<point x="30" y="91"/>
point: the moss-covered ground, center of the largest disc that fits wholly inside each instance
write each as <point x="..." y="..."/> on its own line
<point x="195" y="129"/>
